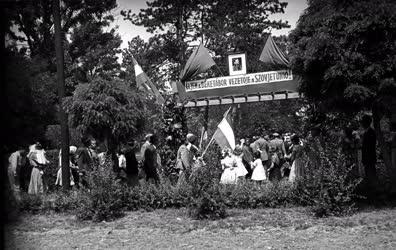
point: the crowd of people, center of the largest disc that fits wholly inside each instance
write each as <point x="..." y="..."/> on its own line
<point x="261" y="158"/>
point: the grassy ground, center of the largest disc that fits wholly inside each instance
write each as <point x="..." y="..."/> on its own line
<point x="172" y="229"/>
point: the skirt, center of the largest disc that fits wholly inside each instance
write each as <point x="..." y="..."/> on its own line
<point x="228" y="176"/>
<point x="36" y="185"/>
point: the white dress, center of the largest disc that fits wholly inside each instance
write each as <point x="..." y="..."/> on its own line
<point x="229" y="171"/>
<point x="258" y="171"/>
<point x="240" y="169"/>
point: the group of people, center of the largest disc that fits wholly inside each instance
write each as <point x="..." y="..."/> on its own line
<point x="25" y="171"/>
<point x="266" y="158"/>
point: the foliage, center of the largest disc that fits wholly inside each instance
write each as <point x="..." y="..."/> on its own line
<point x="53" y="135"/>
<point x="103" y="199"/>
<point x="222" y="26"/>
<point x="328" y="185"/>
<point x="107" y="109"/>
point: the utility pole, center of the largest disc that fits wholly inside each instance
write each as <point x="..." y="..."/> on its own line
<point x="61" y="94"/>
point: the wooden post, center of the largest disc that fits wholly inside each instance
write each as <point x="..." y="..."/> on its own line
<point x="61" y="94"/>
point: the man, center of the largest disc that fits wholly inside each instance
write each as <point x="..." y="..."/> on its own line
<point x="185" y="157"/>
<point x="16" y="161"/>
<point x="131" y="164"/>
<point x="247" y="157"/>
<point x="262" y="146"/>
<point x="150" y="160"/>
<point x="277" y="151"/>
<point x="84" y="160"/>
<point x="369" y="157"/>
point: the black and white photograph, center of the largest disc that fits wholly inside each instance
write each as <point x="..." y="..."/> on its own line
<point x="223" y="124"/>
<point x="237" y="64"/>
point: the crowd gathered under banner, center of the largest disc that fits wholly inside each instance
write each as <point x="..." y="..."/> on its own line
<point x="270" y="157"/>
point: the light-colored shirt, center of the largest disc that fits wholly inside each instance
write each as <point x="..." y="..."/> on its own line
<point x="14" y="160"/>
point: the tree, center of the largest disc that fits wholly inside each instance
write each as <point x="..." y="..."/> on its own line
<point x="344" y="52"/>
<point x="223" y="26"/>
<point x="108" y="109"/>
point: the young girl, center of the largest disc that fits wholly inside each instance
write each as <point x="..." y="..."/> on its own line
<point x="228" y="164"/>
<point x="241" y="171"/>
<point x="258" y="168"/>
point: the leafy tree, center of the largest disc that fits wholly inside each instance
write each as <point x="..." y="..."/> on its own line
<point x="223" y="26"/>
<point x="344" y="52"/>
<point x="108" y="109"/>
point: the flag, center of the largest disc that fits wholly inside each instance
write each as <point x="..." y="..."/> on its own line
<point x="144" y="83"/>
<point x="224" y="135"/>
<point x="272" y="54"/>
<point x="178" y="87"/>
<point x="200" y="61"/>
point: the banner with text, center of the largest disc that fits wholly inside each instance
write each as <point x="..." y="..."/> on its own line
<point x="239" y="80"/>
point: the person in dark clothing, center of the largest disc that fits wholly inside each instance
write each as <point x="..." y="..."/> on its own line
<point x="369" y="157"/>
<point x="150" y="162"/>
<point x="132" y="165"/>
<point x="247" y="157"/>
<point x="84" y="161"/>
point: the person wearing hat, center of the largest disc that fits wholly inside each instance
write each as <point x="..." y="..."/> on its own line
<point x="277" y="153"/>
<point x="38" y="160"/>
<point x="185" y="157"/>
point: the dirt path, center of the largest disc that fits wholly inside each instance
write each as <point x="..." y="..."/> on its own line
<point x="243" y="229"/>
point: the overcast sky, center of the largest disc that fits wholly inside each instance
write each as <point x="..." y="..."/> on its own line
<point x="127" y="30"/>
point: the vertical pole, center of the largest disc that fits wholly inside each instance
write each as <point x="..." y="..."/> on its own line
<point x="61" y="94"/>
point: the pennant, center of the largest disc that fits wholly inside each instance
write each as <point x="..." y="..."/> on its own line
<point x="200" y="61"/>
<point x="272" y="54"/>
<point x="224" y="135"/>
<point x="144" y="83"/>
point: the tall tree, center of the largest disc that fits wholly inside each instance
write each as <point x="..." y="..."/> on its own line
<point x="345" y="53"/>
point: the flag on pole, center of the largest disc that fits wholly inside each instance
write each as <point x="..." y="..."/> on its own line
<point x="144" y="83"/>
<point x="224" y="135"/>
<point x="272" y="54"/>
<point x="200" y="61"/>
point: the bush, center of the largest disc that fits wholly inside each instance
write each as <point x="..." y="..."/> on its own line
<point x="104" y="200"/>
<point x="327" y="185"/>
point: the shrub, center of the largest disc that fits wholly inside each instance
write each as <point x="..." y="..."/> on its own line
<point x="104" y="200"/>
<point x="30" y="203"/>
<point x="327" y="185"/>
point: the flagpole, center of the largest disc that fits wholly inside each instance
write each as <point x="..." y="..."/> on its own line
<point x="210" y="142"/>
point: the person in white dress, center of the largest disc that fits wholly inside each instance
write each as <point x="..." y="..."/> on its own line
<point x="241" y="171"/>
<point x="72" y="151"/>
<point x="228" y="164"/>
<point x="258" y="174"/>
<point x="38" y="160"/>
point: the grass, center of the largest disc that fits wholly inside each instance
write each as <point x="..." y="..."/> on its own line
<point x="287" y="228"/>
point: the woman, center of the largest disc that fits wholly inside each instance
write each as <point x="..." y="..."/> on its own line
<point x="296" y="156"/>
<point x="228" y="164"/>
<point x="131" y="164"/>
<point x="72" y="165"/>
<point x="38" y="160"/>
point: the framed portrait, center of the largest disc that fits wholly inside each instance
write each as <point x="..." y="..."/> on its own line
<point x="237" y="64"/>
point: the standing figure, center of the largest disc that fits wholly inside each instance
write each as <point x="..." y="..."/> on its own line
<point x="15" y="163"/>
<point x="185" y="158"/>
<point x="150" y="162"/>
<point x="369" y="157"/>
<point x="38" y="160"/>
<point x="262" y="146"/>
<point x="296" y="157"/>
<point x="131" y="164"/>
<point x="258" y="174"/>
<point x="241" y="171"/>
<point x="277" y="151"/>
<point x="247" y="157"/>
<point x="228" y="165"/>
<point x="72" y="165"/>
<point x="84" y="161"/>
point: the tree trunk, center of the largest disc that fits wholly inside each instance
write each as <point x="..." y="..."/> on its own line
<point x="61" y="94"/>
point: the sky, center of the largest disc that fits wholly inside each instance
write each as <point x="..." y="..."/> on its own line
<point x="127" y="30"/>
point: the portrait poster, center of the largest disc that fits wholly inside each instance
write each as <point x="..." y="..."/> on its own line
<point x="237" y="64"/>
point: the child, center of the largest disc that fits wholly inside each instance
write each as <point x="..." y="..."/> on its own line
<point x="228" y="164"/>
<point x="258" y="168"/>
